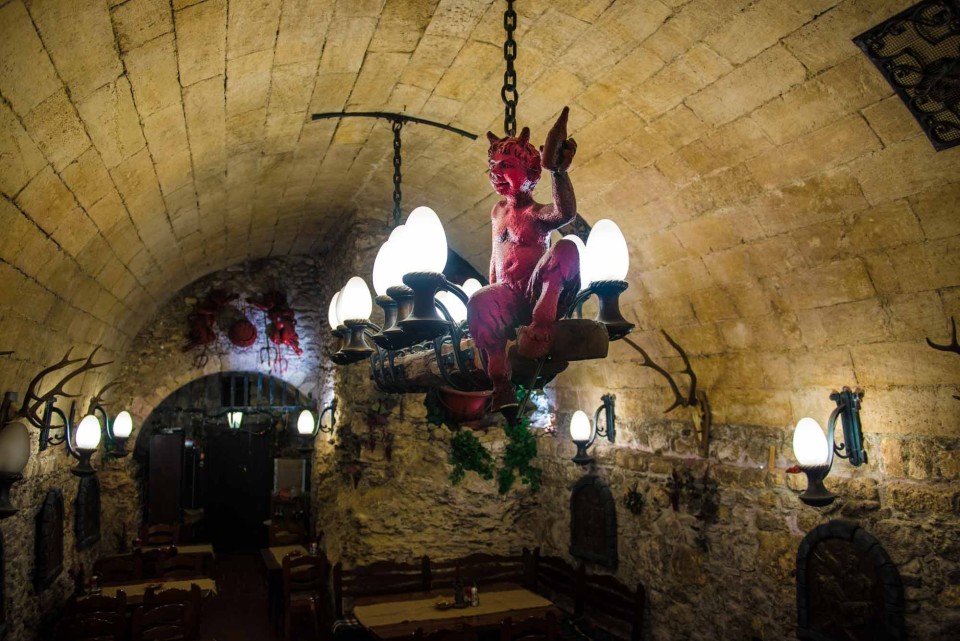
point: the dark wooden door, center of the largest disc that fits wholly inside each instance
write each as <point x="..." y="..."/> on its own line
<point x="238" y="476"/>
<point x="164" y="478"/>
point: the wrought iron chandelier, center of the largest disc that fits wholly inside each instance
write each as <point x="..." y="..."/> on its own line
<point x="425" y="341"/>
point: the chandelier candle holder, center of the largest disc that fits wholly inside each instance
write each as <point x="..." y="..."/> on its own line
<point x="815" y="452"/>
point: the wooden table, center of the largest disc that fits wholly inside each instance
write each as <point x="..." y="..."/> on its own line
<point x="135" y="591"/>
<point x="273" y="557"/>
<point x="399" y="615"/>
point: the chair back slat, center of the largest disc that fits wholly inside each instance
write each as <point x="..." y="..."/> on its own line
<point x="98" y="604"/>
<point x="180" y="566"/>
<point x="99" y="626"/>
<point x="193" y="598"/>
<point x="381" y="577"/>
<point x="166" y="622"/>
<point x="160" y="534"/>
<point x="482" y="568"/>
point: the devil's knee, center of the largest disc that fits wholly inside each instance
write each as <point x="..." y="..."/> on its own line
<point x="566" y="256"/>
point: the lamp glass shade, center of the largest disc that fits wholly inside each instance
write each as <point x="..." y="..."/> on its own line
<point x="606" y="256"/>
<point x="88" y="433"/>
<point x="810" y="443"/>
<point x="14" y="447"/>
<point x="470" y="286"/>
<point x="354" y="302"/>
<point x="332" y="317"/>
<point x="305" y="423"/>
<point x="581" y="248"/>
<point x="385" y="269"/>
<point x="123" y="425"/>
<point x="425" y="242"/>
<point x="234" y="420"/>
<point x="580" y="427"/>
<point x="458" y="311"/>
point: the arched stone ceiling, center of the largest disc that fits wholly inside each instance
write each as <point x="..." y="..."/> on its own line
<point x="757" y="162"/>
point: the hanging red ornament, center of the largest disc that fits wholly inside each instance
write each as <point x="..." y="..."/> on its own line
<point x="242" y="333"/>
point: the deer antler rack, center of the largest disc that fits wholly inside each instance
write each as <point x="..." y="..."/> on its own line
<point x="694" y="398"/>
<point x="34" y="401"/>
<point x="690" y="400"/>
<point x="97" y="400"/>
<point x="952" y="346"/>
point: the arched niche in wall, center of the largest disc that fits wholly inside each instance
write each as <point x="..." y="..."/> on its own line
<point x="49" y="544"/>
<point x="593" y="522"/>
<point x="848" y="589"/>
<point x="86" y="521"/>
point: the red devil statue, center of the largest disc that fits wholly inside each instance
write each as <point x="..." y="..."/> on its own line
<point x="531" y="283"/>
<point x="282" y="326"/>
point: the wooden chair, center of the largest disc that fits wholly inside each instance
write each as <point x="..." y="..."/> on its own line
<point x="462" y="633"/>
<point x="304" y="591"/>
<point x="193" y="598"/>
<point x="531" y="629"/>
<point x="180" y="566"/>
<point x="612" y="606"/>
<point x="101" y="626"/>
<point x="555" y="579"/>
<point x="119" y="569"/>
<point x="160" y="534"/>
<point x="168" y="622"/>
<point x="92" y="605"/>
<point x="150" y="558"/>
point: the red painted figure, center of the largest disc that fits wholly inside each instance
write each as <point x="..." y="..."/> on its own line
<point x="531" y="283"/>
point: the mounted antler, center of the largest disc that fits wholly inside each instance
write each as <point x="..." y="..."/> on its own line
<point x="952" y="346"/>
<point x="33" y="401"/>
<point x="691" y="399"/>
<point x="97" y="399"/>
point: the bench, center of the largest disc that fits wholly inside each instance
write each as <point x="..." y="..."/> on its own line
<point x="482" y="569"/>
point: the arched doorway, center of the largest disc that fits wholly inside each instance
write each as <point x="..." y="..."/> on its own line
<point x="210" y="452"/>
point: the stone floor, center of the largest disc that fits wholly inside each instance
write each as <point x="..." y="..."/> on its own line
<point x="239" y="611"/>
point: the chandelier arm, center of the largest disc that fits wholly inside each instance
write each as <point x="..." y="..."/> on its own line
<point x="461" y="357"/>
<point x="529" y="390"/>
<point x="581" y="298"/>
<point x="447" y="286"/>
<point x="438" y="354"/>
<point x="393" y="117"/>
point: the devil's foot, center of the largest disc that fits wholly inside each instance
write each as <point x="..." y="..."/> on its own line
<point x="533" y="341"/>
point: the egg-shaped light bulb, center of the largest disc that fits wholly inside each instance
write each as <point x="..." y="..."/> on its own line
<point x="123" y="425"/>
<point x="580" y="427"/>
<point x="234" y="420"/>
<point x="88" y="433"/>
<point x="332" y="317"/>
<point x="810" y="443"/>
<point x="383" y="276"/>
<point x="458" y="311"/>
<point x="470" y="286"/>
<point x="426" y="240"/>
<point x="305" y="423"/>
<point x="14" y="447"/>
<point x="354" y="302"/>
<point x="606" y="256"/>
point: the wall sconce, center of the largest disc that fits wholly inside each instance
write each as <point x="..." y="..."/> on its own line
<point x="584" y="434"/>
<point x="308" y="429"/>
<point x="14" y="453"/>
<point x="234" y="420"/>
<point x="815" y="452"/>
<point x="118" y="430"/>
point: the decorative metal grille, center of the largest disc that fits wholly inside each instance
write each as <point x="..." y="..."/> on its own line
<point x="918" y="52"/>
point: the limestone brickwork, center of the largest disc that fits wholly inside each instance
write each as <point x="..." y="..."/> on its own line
<point x="788" y="224"/>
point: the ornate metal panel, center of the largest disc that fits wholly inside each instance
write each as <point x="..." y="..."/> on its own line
<point x="86" y="516"/>
<point x="49" y="544"/>
<point x="848" y="589"/>
<point x="918" y="52"/>
<point x="593" y="522"/>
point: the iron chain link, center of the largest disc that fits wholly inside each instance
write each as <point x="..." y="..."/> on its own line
<point x="509" y="93"/>
<point x="396" y="125"/>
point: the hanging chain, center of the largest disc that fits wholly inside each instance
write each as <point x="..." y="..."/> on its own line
<point x="509" y="91"/>
<point x="397" y="125"/>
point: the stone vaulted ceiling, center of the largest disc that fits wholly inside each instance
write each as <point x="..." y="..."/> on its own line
<point x="760" y="167"/>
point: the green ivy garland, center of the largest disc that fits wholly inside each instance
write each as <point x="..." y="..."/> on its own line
<point x="467" y="453"/>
